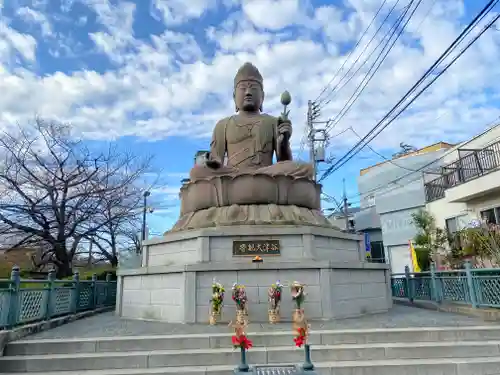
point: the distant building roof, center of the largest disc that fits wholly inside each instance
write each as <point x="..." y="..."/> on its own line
<point x="431" y="148"/>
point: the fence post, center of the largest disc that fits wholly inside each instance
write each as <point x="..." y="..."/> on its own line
<point x="76" y="289"/>
<point x="50" y="297"/>
<point x="470" y="284"/>
<point x="14" y="302"/>
<point x="409" y="284"/>
<point x="94" y="291"/>
<point x="107" y="292"/>
<point x="435" y="293"/>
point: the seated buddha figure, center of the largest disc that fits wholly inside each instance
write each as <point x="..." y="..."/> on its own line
<point x="247" y="141"/>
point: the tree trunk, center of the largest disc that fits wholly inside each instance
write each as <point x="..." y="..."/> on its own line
<point x="64" y="264"/>
<point x="114" y="261"/>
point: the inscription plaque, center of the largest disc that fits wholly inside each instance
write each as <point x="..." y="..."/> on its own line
<point x="257" y="247"/>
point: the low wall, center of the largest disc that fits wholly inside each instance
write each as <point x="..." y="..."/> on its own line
<point x="182" y="294"/>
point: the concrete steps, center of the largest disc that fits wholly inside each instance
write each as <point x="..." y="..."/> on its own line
<point x="443" y="351"/>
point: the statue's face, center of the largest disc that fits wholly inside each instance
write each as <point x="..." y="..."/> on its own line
<point x="248" y="96"/>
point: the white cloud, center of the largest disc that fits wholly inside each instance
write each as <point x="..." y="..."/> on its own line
<point x="179" y="81"/>
<point x="30" y="15"/>
<point x="174" y="12"/>
<point x="273" y="14"/>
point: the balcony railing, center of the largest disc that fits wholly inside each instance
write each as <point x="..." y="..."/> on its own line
<point x="473" y="165"/>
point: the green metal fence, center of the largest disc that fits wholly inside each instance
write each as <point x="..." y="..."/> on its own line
<point x="478" y="287"/>
<point x="28" y="301"/>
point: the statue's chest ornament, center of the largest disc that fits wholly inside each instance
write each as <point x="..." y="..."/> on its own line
<point x="242" y="131"/>
<point x="248" y="126"/>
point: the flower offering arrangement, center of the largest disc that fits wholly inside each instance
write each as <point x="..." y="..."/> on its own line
<point x="241" y="341"/>
<point x="216" y="302"/>
<point x="240" y="298"/>
<point x="274" y="293"/>
<point x="298" y="294"/>
<point x="301" y="337"/>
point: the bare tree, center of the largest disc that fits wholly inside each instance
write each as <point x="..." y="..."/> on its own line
<point x="57" y="191"/>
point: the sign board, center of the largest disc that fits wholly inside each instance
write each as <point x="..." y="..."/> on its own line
<point x="256" y="247"/>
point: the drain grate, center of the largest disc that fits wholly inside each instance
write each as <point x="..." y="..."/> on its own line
<point x="275" y="370"/>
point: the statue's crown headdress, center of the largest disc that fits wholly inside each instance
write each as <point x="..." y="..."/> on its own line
<point x="248" y="72"/>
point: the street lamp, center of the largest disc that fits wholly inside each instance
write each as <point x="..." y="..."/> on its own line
<point x="144" y="211"/>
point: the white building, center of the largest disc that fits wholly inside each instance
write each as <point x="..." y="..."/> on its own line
<point x="469" y="185"/>
<point x="391" y="192"/>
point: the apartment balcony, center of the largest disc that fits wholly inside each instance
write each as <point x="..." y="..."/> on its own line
<point x="475" y="174"/>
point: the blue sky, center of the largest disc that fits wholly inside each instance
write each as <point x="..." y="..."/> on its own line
<point x="155" y="75"/>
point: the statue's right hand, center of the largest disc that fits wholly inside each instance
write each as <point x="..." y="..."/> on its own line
<point x="214" y="164"/>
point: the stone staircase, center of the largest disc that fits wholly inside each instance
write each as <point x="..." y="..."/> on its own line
<point x="473" y="350"/>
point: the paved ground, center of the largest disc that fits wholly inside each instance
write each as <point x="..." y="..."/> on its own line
<point x="109" y="325"/>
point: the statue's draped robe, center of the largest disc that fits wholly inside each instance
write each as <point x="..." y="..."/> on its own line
<point x="248" y="144"/>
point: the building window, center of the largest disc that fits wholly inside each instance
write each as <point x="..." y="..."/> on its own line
<point x="452" y="225"/>
<point x="377" y="252"/>
<point x="491" y="216"/>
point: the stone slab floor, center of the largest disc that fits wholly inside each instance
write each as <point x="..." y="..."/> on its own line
<point x="104" y="325"/>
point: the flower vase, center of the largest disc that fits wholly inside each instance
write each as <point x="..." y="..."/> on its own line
<point x="214" y="318"/>
<point x="241" y="317"/>
<point x="274" y="316"/>
<point x="297" y="315"/>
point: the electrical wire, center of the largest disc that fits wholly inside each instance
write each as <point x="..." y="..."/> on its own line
<point x="352" y="50"/>
<point x="427" y="73"/>
<point x="421" y="92"/>
<point x="336" y="89"/>
<point x="382" y="156"/>
<point x="377" y="63"/>
<point x="421" y="169"/>
<point x="464" y="33"/>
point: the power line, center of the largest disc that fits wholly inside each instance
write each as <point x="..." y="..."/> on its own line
<point x="336" y="89"/>
<point x="426" y="74"/>
<point x="382" y="156"/>
<point x="377" y="63"/>
<point x="352" y="50"/>
<point x="464" y="33"/>
<point x="419" y="93"/>
<point x="384" y="186"/>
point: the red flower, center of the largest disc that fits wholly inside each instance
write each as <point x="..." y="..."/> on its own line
<point x="300" y="339"/>
<point x="242" y="342"/>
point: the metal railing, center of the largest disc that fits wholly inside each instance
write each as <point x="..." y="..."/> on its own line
<point x="473" y="165"/>
<point x="478" y="287"/>
<point x="29" y="301"/>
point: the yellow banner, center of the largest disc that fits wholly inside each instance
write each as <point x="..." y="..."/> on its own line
<point x="414" y="261"/>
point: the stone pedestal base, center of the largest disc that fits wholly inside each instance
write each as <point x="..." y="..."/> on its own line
<point x="264" y="214"/>
<point x="174" y="282"/>
<point x="181" y="294"/>
<point x="216" y="245"/>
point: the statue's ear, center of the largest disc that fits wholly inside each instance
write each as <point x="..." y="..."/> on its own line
<point x="236" y="109"/>
<point x="262" y="101"/>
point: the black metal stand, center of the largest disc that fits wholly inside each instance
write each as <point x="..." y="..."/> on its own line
<point x="307" y="366"/>
<point x="243" y="366"/>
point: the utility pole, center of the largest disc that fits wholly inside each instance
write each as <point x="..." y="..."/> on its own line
<point x="310" y="135"/>
<point x="144" y="211"/>
<point x="346" y="207"/>
<point x="313" y="112"/>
